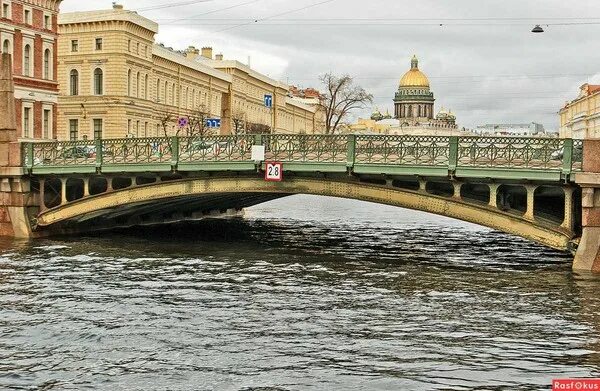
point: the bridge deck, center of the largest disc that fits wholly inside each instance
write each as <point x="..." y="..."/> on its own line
<point x="517" y="158"/>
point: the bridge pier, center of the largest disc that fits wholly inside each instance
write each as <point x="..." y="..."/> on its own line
<point x="587" y="257"/>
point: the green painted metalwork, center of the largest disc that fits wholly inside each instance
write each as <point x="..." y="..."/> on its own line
<point x="511" y="152"/>
<point x="403" y="150"/>
<point x="306" y="148"/>
<point x="485" y="157"/>
<point x="351" y="151"/>
<point x="215" y="149"/>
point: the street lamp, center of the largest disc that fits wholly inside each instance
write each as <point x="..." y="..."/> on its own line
<point x="537" y="29"/>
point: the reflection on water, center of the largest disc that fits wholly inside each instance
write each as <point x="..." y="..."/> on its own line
<point x="303" y="293"/>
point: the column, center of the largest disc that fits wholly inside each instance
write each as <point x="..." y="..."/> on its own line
<point x="493" y="195"/>
<point x="63" y="191"/>
<point x="457" y="186"/>
<point x="530" y="202"/>
<point x="86" y="187"/>
<point x="568" y="220"/>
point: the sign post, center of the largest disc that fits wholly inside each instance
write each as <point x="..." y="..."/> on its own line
<point x="273" y="171"/>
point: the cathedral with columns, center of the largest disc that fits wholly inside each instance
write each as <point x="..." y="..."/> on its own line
<point x="414" y="101"/>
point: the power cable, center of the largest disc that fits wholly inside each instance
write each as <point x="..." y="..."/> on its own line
<point x="172" y="5"/>
<point x="171" y="21"/>
<point x="275" y="16"/>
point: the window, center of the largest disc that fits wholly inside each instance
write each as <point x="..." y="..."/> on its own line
<point x="47" y="22"/>
<point x="6" y="46"/>
<point x="146" y="87"/>
<point x="173" y="95"/>
<point x="27" y="61"/>
<point x="26" y="121"/>
<point x="97" y="129"/>
<point x="128" y="127"/>
<point x="137" y="50"/>
<point x="47" y="64"/>
<point x="129" y="45"/>
<point x="98" y="81"/>
<point x="146" y="129"/>
<point x="137" y="85"/>
<point x="6" y="11"/>
<point x="46" y="126"/>
<point x="98" y="43"/>
<point x="129" y="82"/>
<point x="158" y="90"/>
<point x="74" y="45"/>
<point x="137" y="129"/>
<point x="145" y="51"/>
<point x="73" y="129"/>
<point x="27" y="17"/>
<point x="74" y="82"/>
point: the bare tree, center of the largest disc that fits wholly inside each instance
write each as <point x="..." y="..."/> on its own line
<point x="258" y="129"/>
<point x="165" y="120"/>
<point x="197" y="125"/>
<point x="341" y="98"/>
<point x="238" y="118"/>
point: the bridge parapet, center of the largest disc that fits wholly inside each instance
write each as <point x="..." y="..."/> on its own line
<point x="547" y="159"/>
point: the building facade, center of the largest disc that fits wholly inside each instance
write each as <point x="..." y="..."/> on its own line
<point x="414" y="103"/>
<point x="530" y="129"/>
<point x="580" y="118"/>
<point x="28" y="31"/>
<point x="117" y="82"/>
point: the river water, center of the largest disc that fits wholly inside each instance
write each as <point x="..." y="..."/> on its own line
<point x="303" y="293"/>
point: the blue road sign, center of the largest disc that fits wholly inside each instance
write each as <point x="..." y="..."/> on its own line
<point x="213" y="123"/>
<point x="269" y="101"/>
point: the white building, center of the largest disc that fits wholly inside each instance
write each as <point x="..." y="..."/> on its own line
<point x="530" y="129"/>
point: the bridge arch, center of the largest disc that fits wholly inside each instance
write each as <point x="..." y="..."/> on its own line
<point x="241" y="192"/>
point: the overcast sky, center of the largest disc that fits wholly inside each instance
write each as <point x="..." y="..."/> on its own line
<point x="483" y="62"/>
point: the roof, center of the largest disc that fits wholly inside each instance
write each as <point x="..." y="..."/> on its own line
<point x="107" y="16"/>
<point x="179" y="58"/>
<point x="414" y="77"/>
<point x="223" y="64"/>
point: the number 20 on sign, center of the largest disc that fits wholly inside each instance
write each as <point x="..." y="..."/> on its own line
<point x="273" y="172"/>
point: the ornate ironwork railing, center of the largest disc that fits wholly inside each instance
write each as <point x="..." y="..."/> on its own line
<point x="510" y="152"/>
<point x="306" y="148"/>
<point x="403" y="150"/>
<point x="215" y="149"/>
<point x="506" y="153"/>
<point x="135" y="150"/>
<point x="60" y="153"/>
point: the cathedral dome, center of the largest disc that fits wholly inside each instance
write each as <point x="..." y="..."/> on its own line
<point x="414" y="77"/>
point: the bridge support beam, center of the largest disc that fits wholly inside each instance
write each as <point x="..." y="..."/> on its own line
<point x="530" y="202"/>
<point x="587" y="257"/>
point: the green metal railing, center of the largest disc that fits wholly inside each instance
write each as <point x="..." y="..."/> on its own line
<point x="503" y="157"/>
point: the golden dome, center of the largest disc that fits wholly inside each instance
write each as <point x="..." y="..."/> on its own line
<point x="414" y="77"/>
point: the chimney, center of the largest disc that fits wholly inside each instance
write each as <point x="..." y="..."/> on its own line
<point x="192" y="53"/>
<point x="207" y="52"/>
<point x="219" y="57"/>
<point x="117" y="6"/>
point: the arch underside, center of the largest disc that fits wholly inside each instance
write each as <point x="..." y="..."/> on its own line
<point x="190" y="198"/>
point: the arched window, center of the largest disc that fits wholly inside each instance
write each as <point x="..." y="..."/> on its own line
<point x="166" y="92"/>
<point x="26" y="60"/>
<point x="193" y="99"/>
<point x="98" y="81"/>
<point x="74" y="76"/>
<point x="47" y="64"/>
<point x="6" y="46"/>
<point x="185" y="98"/>
<point x="129" y="82"/>
<point x="137" y="85"/>
<point x="173" y="99"/>
<point x="146" y="87"/>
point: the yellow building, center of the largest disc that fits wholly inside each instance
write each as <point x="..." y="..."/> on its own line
<point x="580" y="118"/>
<point x="116" y="82"/>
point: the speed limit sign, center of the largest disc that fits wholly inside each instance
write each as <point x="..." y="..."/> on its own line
<point x="273" y="172"/>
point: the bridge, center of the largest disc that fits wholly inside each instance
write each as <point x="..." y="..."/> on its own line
<point x="542" y="189"/>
